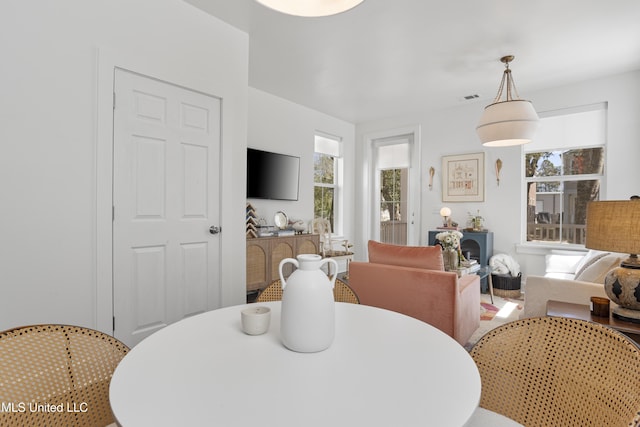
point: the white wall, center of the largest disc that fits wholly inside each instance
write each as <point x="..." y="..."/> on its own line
<point x="452" y="131"/>
<point x="54" y="156"/>
<point x="278" y="125"/>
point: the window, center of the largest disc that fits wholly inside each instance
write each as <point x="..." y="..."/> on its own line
<point x="327" y="153"/>
<point x="564" y="169"/>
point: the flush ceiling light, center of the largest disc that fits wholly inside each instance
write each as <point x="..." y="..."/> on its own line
<point x="310" y="8"/>
<point x="508" y="122"/>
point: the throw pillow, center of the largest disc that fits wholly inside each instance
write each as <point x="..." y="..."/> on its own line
<point x="561" y="263"/>
<point x="590" y="259"/>
<point x="427" y="257"/>
<point x="596" y="272"/>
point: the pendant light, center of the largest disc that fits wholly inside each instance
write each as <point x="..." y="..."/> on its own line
<point x="508" y="122"/>
<point x="310" y="8"/>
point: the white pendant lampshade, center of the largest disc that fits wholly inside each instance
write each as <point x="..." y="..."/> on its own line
<point x="310" y="8"/>
<point x="508" y="122"/>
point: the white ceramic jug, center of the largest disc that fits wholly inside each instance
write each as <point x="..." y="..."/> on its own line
<point x="307" y="319"/>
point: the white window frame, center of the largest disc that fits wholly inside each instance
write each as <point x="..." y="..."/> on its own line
<point x="561" y="178"/>
<point x="338" y="164"/>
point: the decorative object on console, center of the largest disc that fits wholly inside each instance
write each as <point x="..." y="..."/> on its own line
<point x="432" y="172"/>
<point x="310" y="8"/>
<point x="252" y="222"/>
<point x="498" y="169"/>
<point x="450" y="242"/>
<point x="347" y="246"/>
<point x="445" y="213"/>
<point x="299" y="226"/>
<point x="463" y="178"/>
<point x="280" y="220"/>
<point x="508" y="122"/>
<point x="475" y="221"/>
<point x="614" y="225"/>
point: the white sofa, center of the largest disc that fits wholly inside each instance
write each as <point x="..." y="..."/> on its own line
<point x="569" y="277"/>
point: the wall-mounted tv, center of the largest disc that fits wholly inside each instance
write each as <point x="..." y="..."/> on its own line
<point x="272" y="175"/>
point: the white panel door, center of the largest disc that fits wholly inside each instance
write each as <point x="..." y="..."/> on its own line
<point x="166" y="198"/>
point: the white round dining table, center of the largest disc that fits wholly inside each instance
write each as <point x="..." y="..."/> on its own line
<point x="382" y="369"/>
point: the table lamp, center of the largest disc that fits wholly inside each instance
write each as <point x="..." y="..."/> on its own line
<point x="614" y="226"/>
<point x="445" y="213"/>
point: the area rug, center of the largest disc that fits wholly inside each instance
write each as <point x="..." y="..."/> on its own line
<point x="503" y="310"/>
<point x="488" y="311"/>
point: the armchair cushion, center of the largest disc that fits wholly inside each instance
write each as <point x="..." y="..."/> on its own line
<point x="425" y="257"/>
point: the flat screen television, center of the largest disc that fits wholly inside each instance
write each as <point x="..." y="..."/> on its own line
<point x="272" y="175"/>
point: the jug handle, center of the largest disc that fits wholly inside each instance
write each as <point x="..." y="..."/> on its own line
<point x="333" y="277"/>
<point x="282" y="263"/>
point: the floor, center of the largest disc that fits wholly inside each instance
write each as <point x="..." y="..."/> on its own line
<point x="509" y="309"/>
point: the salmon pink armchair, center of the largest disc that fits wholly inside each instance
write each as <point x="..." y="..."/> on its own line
<point x="411" y="280"/>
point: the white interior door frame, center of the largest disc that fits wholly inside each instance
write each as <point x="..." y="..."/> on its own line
<point x="106" y="62"/>
<point x="370" y="175"/>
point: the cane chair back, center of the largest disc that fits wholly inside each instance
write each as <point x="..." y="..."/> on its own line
<point x="341" y="293"/>
<point x="57" y="375"/>
<point x="554" y="371"/>
<point x="273" y="292"/>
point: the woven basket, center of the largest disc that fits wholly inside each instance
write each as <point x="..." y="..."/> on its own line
<point x="505" y="285"/>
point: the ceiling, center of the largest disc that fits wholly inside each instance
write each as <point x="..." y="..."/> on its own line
<point x="389" y="58"/>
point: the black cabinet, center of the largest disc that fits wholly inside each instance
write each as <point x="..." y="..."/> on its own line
<point x="474" y="245"/>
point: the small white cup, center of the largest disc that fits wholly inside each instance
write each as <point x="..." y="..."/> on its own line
<point x="255" y="320"/>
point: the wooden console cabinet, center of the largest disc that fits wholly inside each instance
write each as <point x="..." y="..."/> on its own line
<point x="265" y="253"/>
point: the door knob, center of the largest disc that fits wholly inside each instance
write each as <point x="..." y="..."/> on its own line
<point x="215" y="230"/>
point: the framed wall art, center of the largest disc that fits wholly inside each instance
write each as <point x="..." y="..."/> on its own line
<point x="463" y="178"/>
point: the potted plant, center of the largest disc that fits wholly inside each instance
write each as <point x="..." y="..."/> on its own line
<point x="475" y="221"/>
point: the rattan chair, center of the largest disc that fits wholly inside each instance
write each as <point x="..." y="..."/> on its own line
<point x="554" y="371"/>
<point x="341" y="293"/>
<point x="56" y="375"/>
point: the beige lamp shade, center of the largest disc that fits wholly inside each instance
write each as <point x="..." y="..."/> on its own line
<point x="310" y="8"/>
<point x="614" y="225"/>
<point x="507" y="123"/>
<point x="445" y="211"/>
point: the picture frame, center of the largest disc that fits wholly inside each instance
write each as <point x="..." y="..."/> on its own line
<point x="463" y="178"/>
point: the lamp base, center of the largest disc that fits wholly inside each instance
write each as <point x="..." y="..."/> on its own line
<point x="622" y="286"/>
<point x="626" y="314"/>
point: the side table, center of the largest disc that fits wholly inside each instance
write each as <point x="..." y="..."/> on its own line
<point x="580" y="311"/>
<point x="486" y="272"/>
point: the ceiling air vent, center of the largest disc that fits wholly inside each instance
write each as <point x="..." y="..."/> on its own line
<point x="469" y="98"/>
